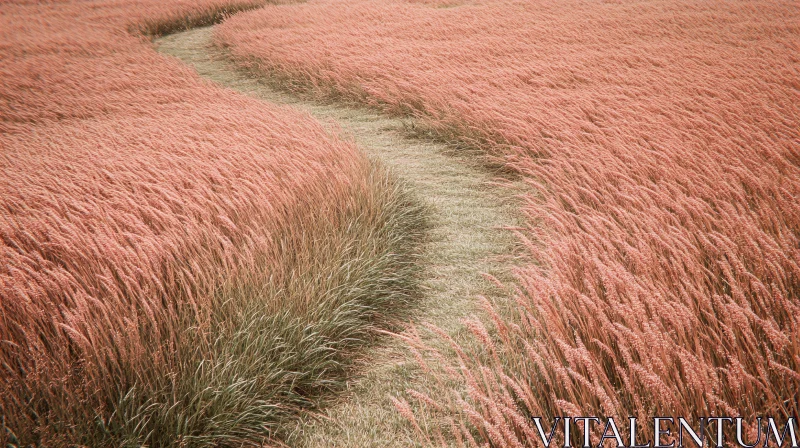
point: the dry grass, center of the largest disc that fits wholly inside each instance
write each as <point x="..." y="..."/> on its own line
<point x="180" y="266"/>
<point x="468" y="211"/>
<point x="665" y="137"/>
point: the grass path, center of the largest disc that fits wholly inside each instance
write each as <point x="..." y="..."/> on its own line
<point x="469" y="209"/>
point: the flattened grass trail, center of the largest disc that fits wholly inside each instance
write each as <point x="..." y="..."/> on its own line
<point x="469" y="210"/>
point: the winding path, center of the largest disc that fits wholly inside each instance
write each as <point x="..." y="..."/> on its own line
<point x="469" y="208"/>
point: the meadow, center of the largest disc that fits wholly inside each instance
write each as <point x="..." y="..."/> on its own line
<point x="662" y="140"/>
<point x="179" y="265"/>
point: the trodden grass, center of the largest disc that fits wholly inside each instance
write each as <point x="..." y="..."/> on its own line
<point x="469" y="209"/>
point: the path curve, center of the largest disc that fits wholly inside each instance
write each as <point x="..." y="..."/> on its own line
<point x="469" y="208"/>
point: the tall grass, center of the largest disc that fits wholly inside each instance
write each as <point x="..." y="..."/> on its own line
<point x="662" y="139"/>
<point x="181" y="266"/>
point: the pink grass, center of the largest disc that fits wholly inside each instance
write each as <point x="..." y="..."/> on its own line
<point x="664" y="138"/>
<point x="132" y="193"/>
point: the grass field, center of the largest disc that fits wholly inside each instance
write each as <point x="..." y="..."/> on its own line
<point x="183" y="265"/>
<point x="664" y="140"/>
<point x="180" y="266"/>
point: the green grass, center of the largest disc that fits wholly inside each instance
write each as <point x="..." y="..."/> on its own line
<point x="273" y="343"/>
<point x="273" y="348"/>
